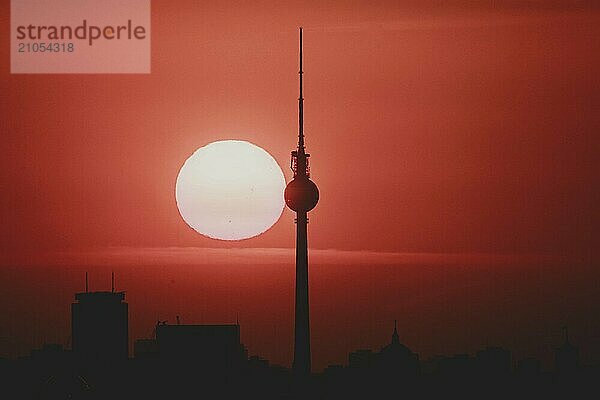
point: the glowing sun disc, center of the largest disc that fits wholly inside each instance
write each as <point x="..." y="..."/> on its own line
<point x="230" y="190"/>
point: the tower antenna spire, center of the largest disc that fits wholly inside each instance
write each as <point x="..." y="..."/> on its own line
<point x="395" y="336"/>
<point x="301" y="104"/>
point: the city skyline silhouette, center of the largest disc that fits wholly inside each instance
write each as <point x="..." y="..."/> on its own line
<point x="186" y="359"/>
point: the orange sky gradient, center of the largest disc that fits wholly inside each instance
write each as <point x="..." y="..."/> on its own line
<point x="464" y="135"/>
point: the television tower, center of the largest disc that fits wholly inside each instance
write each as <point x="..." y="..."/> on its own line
<point x="301" y="195"/>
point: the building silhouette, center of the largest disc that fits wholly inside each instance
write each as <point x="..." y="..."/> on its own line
<point x="397" y="359"/>
<point x="566" y="358"/>
<point x="493" y="363"/>
<point x="145" y="348"/>
<point x="301" y="195"/>
<point x="361" y="359"/>
<point x="215" y="348"/>
<point x="99" y="326"/>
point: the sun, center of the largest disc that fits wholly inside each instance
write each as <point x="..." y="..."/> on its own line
<point x="230" y="190"/>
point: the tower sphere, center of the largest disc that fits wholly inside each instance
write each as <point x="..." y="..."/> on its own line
<point x="301" y="194"/>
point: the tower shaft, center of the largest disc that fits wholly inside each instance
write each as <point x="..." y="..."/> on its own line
<point x="302" y="358"/>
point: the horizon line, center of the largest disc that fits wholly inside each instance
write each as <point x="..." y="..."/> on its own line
<point x="201" y="256"/>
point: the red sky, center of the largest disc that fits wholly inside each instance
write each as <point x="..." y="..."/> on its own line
<point x="465" y="131"/>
